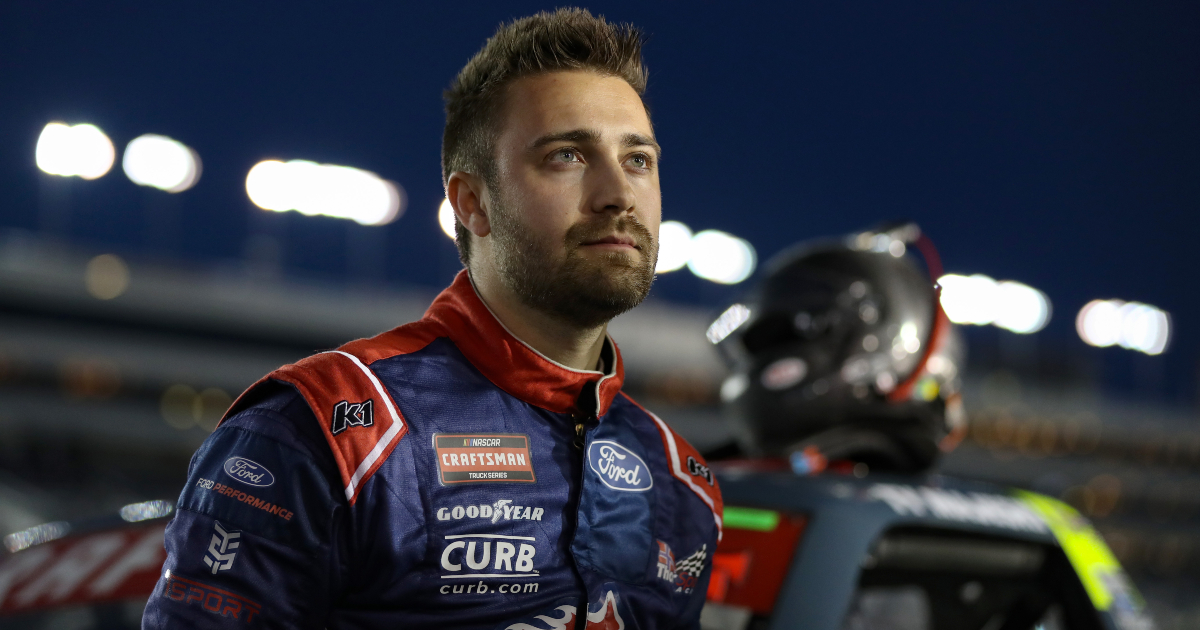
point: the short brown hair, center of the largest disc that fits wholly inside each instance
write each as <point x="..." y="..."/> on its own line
<point x="567" y="39"/>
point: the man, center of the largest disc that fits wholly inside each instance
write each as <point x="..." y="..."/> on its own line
<point x="480" y="467"/>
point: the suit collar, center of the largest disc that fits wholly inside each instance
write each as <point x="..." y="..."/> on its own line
<point x="513" y="365"/>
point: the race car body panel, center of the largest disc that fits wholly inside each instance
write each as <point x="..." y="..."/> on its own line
<point x="883" y="534"/>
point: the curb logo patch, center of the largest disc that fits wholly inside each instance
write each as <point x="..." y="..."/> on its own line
<point x="221" y="552"/>
<point x="513" y="556"/>
<point x="483" y="457"/>
<point x="347" y="414"/>
<point x="618" y="467"/>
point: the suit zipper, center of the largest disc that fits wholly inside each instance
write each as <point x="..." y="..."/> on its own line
<point x="581" y="426"/>
<point x="583" y="420"/>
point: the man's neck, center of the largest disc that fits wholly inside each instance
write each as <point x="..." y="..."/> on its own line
<point x="562" y="343"/>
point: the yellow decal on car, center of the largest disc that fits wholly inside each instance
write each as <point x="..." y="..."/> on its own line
<point x="1096" y="565"/>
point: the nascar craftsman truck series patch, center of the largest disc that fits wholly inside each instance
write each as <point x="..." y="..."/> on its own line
<point x="483" y="457"/>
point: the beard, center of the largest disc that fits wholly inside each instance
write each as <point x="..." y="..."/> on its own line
<point x="585" y="292"/>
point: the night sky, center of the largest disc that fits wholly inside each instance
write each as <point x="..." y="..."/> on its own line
<point x="1052" y="143"/>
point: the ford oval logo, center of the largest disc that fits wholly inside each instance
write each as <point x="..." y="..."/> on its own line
<point x="618" y="467"/>
<point x="248" y="472"/>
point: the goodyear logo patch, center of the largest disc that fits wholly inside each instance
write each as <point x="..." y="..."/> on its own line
<point x="483" y="457"/>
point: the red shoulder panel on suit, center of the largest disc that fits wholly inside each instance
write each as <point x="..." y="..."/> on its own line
<point x="689" y="467"/>
<point x="360" y="420"/>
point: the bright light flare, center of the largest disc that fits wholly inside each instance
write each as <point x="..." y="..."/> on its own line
<point x="980" y="300"/>
<point x="968" y="299"/>
<point x="446" y="218"/>
<point x="1020" y="308"/>
<point x="74" y="151"/>
<point x="1131" y="325"/>
<point x="36" y="535"/>
<point x="162" y="163"/>
<point x="309" y="188"/>
<point x="720" y="257"/>
<point x="729" y="321"/>
<point x="674" y="246"/>
<point x="146" y="510"/>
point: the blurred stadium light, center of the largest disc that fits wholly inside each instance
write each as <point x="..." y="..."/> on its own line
<point x="446" y="218"/>
<point x="160" y="162"/>
<point x="36" y="535"/>
<point x="106" y="276"/>
<point x="334" y="191"/>
<point x="74" y="151"/>
<point x="674" y="246"/>
<point x="1131" y="325"/>
<point x="980" y="300"/>
<point x="720" y="257"/>
<point x="146" y="510"/>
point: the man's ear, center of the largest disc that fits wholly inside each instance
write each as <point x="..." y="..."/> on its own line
<point x="466" y="193"/>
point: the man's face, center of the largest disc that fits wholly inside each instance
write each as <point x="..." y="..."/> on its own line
<point x="575" y="207"/>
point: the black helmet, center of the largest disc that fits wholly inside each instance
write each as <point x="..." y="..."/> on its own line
<point x="843" y="353"/>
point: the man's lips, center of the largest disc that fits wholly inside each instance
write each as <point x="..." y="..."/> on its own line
<point x="618" y="240"/>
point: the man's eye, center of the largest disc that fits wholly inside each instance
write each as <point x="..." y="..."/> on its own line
<point x="640" y="161"/>
<point x="565" y="155"/>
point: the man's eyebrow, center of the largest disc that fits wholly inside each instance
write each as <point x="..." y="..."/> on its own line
<point x="575" y="135"/>
<point x="593" y="136"/>
<point x="638" y="140"/>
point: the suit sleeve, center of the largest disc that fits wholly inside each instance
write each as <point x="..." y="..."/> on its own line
<point x="258" y="536"/>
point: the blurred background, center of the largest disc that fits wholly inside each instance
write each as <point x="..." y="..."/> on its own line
<point x="193" y="196"/>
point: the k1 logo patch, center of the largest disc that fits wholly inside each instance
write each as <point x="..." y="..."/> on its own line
<point x="483" y="457"/>
<point x="699" y="470"/>
<point x="618" y="467"/>
<point x="347" y="414"/>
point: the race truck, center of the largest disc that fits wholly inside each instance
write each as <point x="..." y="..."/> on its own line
<point x="902" y="552"/>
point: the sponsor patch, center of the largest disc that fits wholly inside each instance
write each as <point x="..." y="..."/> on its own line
<point x="484" y="457"/>
<point x="248" y="499"/>
<point x="347" y="414"/>
<point x="221" y="551"/>
<point x="685" y="573"/>
<point x="216" y="601"/>
<point x="666" y="562"/>
<point x="488" y="556"/>
<point x="248" y="472"/>
<point x="481" y="588"/>
<point x="699" y="470"/>
<point x="618" y="467"/>
<point x="501" y="510"/>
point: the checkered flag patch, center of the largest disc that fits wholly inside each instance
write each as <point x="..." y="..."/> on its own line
<point x="693" y="564"/>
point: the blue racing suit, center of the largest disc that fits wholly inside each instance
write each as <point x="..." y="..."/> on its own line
<point x="440" y="474"/>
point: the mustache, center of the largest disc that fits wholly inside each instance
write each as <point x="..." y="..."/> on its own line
<point x="592" y="231"/>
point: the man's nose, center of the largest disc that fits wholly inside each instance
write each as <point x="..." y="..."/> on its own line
<point x="611" y="190"/>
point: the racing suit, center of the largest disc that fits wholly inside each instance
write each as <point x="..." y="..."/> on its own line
<point x="441" y="473"/>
